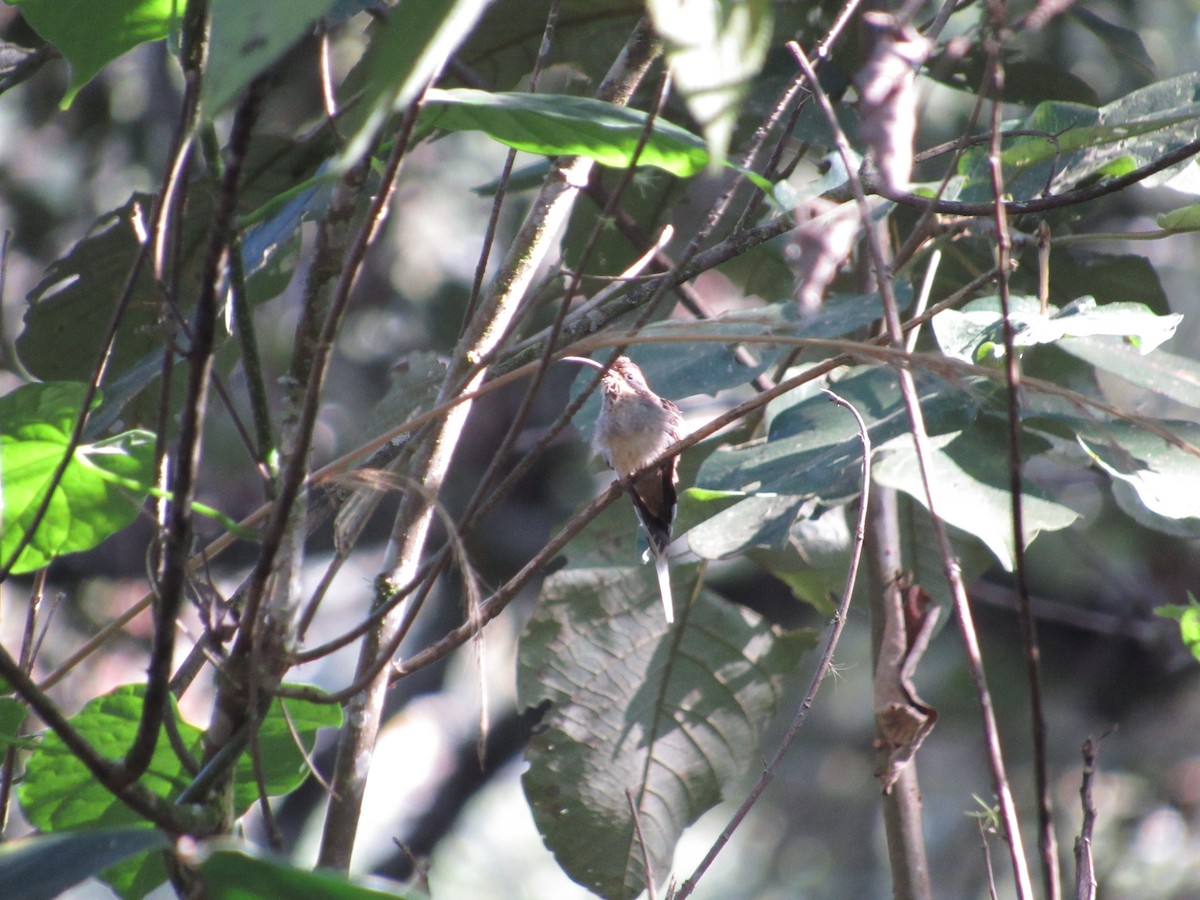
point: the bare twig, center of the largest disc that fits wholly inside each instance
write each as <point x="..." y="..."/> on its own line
<point x="950" y="565"/>
<point x="823" y="664"/>
<point x="651" y="887"/>
<point x="176" y="542"/>
<point x="1047" y="842"/>
<point x="1085" y="869"/>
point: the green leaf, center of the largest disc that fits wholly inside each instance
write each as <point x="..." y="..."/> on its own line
<point x="1026" y="81"/>
<point x="1081" y="141"/>
<point x="714" y="48"/>
<point x="246" y="38"/>
<point x="92" y="500"/>
<point x="1166" y="374"/>
<point x="12" y="716"/>
<point x="59" y="793"/>
<point x="71" y="307"/>
<point x="1108" y="277"/>
<point x="813" y="448"/>
<point x="1164" y="477"/>
<point x="410" y="48"/>
<point x="229" y="874"/>
<point x="975" y="334"/>
<point x="968" y="473"/>
<point x="558" y="125"/>
<point x="92" y="33"/>
<point x="47" y="865"/>
<point x="760" y="521"/>
<point x="1184" y="218"/>
<point x="840" y="315"/>
<point x="814" y="560"/>
<point x="1188" y="618"/>
<point x="673" y="715"/>
<point x="284" y="764"/>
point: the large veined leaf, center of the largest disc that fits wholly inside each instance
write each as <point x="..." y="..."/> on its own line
<point x="968" y="473"/>
<point x="70" y="309"/>
<point x="715" y="48"/>
<point x="840" y="315"/>
<point x="813" y="448"/>
<point x="1167" y="374"/>
<point x="808" y="553"/>
<point x="92" y="33"/>
<point x="669" y="716"/>
<point x="557" y="125"/>
<point x="97" y="495"/>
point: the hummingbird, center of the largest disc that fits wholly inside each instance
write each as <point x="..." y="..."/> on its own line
<point x="634" y="426"/>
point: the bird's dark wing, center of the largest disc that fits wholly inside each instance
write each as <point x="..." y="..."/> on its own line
<point x="655" y="500"/>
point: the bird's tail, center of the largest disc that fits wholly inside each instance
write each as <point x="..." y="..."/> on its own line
<point x="664" y="585"/>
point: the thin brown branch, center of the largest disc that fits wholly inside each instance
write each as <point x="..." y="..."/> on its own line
<point x="177" y="541"/>
<point x="1039" y="204"/>
<point x="1085" y="867"/>
<point x="920" y="436"/>
<point x="1047" y="842"/>
<point x="824" y="664"/>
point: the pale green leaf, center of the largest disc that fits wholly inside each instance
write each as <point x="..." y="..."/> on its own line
<point x="1164" y="476"/>
<point x="1183" y="218"/>
<point x="1166" y="374"/>
<point x="976" y="333"/>
<point x="715" y="48"/>
<point x="968" y="472"/>
<point x="813" y="448"/>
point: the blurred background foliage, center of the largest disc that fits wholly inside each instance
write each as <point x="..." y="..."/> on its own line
<point x="1112" y="667"/>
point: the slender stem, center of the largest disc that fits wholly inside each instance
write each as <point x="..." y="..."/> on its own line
<point x="176" y="543"/>
<point x="822" y="669"/>
<point x="1047" y="842"/>
<point x="920" y="436"/>
<point x="1085" y="868"/>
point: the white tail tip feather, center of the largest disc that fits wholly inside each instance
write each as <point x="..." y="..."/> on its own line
<point x="664" y="586"/>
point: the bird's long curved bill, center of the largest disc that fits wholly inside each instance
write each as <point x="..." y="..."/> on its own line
<point x="583" y="361"/>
